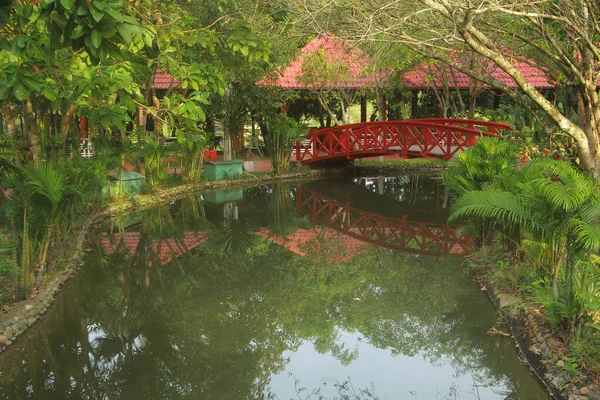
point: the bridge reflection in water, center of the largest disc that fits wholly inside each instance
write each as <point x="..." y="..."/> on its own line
<point x="411" y="232"/>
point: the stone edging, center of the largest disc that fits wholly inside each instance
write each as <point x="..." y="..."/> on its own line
<point x="25" y="313"/>
<point x="534" y="341"/>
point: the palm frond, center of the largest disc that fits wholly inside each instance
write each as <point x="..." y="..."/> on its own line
<point x="499" y="206"/>
<point x="44" y="181"/>
<point x="561" y="183"/>
<point x="586" y="235"/>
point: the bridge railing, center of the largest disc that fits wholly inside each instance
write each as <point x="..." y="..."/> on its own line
<point x="411" y="138"/>
<point x="430" y="137"/>
<point x="486" y="128"/>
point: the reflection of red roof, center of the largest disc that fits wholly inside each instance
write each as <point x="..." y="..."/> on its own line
<point x="164" y="80"/>
<point x="423" y="76"/>
<point x="335" y="50"/>
<point x="169" y="248"/>
<point x="306" y="242"/>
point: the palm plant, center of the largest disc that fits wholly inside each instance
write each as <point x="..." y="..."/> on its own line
<point x="39" y="192"/>
<point x="481" y="164"/>
<point x="7" y="255"/>
<point x="9" y="157"/>
<point x="191" y="155"/>
<point x="156" y="162"/>
<point x="283" y="133"/>
<point x="555" y="210"/>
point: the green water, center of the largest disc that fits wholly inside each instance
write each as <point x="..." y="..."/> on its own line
<point x="255" y="299"/>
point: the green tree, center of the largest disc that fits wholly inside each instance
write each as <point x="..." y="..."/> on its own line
<point x="559" y="38"/>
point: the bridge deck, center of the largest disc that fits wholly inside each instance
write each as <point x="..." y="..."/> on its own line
<point x="435" y="138"/>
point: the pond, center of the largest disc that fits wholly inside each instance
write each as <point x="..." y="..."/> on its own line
<point x="336" y="288"/>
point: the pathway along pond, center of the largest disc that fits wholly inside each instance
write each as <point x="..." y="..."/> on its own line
<point x="281" y="291"/>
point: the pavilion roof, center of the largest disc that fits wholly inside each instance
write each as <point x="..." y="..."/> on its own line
<point x="164" y="80"/>
<point x="334" y="50"/>
<point x="428" y="75"/>
<point x="312" y="242"/>
<point x="167" y="249"/>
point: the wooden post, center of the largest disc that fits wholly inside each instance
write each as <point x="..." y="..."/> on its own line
<point x="497" y="95"/>
<point x="414" y="104"/>
<point x="363" y="108"/>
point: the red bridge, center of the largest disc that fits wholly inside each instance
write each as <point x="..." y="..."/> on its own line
<point x="392" y="233"/>
<point x="431" y="137"/>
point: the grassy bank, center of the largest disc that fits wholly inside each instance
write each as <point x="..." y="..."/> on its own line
<point x="570" y="367"/>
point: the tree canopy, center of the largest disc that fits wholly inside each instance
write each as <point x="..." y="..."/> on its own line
<point x="561" y="38"/>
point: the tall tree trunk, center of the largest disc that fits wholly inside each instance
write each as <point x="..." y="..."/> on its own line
<point x="474" y="90"/>
<point x="414" y="103"/>
<point x="34" y="133"/>
<point x="142" y="116"/>
<point x="65" y="124"/>
<point x="9" y="121"/>
<point x="381" y="106"/>
<point x="363" y="108"/>
<point x="330" y="113"/>
<point x="10" y="125"/>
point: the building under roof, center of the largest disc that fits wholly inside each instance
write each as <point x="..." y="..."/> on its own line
<point x="334" y="50"/>
<point x="423" y="76"/>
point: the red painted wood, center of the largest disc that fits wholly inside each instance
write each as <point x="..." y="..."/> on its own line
<point x="431" y="137"/>
<point x="392" y="233"/>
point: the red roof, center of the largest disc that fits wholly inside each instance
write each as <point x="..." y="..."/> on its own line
<point x="334" y="50"/>
<point x="164" y="80"/>
<point x="427" y="75"/>
<point x="305" y="242"/>
<point x="169" y="248"/>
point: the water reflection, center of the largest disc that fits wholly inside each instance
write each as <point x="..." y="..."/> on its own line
<point x="199" y="302"/>
<point x="406" y="233"/>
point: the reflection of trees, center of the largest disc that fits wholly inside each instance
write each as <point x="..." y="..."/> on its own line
<point x="282" y="217"/>
<point x="234" y="236"/>
<point x="412" y="306"/>
<point x="421" y="190"/>
<point x="214" y="322"/>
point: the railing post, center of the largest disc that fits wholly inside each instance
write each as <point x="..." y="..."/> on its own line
<point x="346" y="143"/>
<point x="449" y="136"/>
<point x="405" y="132"/>
<point x="472" y="140"/>
<point x="298" y="157"/>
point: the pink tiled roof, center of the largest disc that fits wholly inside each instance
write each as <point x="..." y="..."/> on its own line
<point x="169" y="248"/>
<point x="335" y="50"/>
<point x="306" y="242"/>
<point x="423" y="77"/>
<point x="164" y="80"/>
